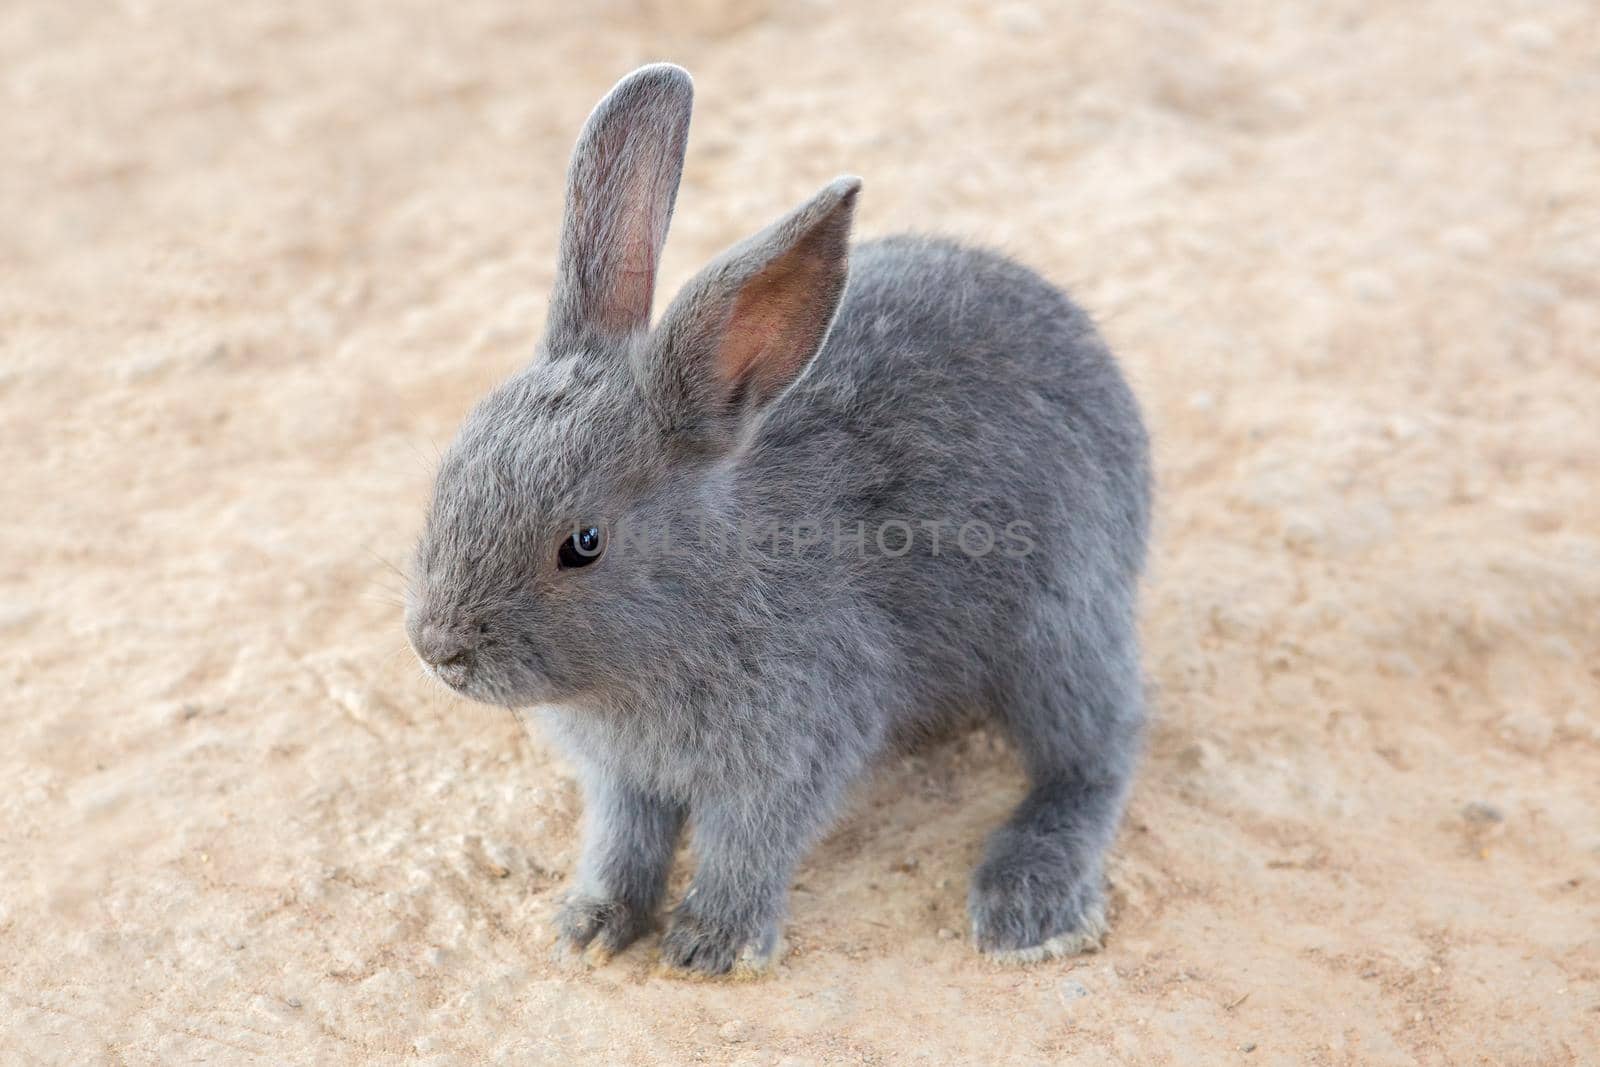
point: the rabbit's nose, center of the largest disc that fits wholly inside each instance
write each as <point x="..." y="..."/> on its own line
<point x="447" y="652"/>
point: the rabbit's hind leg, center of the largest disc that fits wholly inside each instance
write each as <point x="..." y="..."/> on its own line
<point x="1073" y="705"/>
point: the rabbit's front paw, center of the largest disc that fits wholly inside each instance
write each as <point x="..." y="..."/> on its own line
<point x="706" y="947"/>
<point x="1023" y="913"/>
<point x="598" y="929"/>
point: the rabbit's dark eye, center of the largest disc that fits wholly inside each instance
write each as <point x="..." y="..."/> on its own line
<point x="582" y="548"/>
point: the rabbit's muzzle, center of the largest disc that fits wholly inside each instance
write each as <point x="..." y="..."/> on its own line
<point x="446" y="652"/>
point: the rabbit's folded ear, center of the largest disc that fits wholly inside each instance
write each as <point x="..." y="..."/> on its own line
<point x="620" y="190"/>
<point x="750" y="323"/>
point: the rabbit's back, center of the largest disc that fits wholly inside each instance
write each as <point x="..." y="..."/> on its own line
<point x="962" y="396"/>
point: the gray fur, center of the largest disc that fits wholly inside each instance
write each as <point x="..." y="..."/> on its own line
<point x="743" y="692"/>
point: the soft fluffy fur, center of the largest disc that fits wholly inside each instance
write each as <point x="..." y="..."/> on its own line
<point x="740" y="692"/>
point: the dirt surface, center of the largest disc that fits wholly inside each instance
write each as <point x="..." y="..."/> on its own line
<point x="256" y="261"/>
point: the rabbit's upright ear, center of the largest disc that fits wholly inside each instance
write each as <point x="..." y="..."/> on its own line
<point x="750" y="323"/>
<point x="620" y="190"/>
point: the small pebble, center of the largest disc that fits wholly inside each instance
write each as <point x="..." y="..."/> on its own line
<point x="1398" y="665"/>
<point x="734" y="1031"/>
<point x="1071" y="990"/>
<point x="16" y="616"/>
<point x="1021" y="19"/>
<point x="946" y="934"/>
<point x="1465" y="241"/>
<point x="1302" y="533"/>
<point x="1284" y="103"/>
<point x="1370" y="286"/>
<point x="1482" y="812"/>
<point x="1248" y="1046"/>
<point x="1533" y="36"/>
<point x="1400" y="428"/>
<point x="1196" y="757"/>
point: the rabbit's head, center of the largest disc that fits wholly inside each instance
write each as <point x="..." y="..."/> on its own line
<point x="522" y="591"/>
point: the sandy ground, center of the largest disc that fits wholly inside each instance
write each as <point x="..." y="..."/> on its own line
<point x="256" y="260"/>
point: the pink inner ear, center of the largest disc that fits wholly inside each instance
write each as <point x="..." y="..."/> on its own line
<point x="629" y="292"/>
<point x="777" y="322"/>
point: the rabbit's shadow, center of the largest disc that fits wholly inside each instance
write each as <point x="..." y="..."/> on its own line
<point x="897" y="862"/>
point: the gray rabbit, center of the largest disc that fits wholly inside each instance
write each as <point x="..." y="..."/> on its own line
<point x="797" y="525"/>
